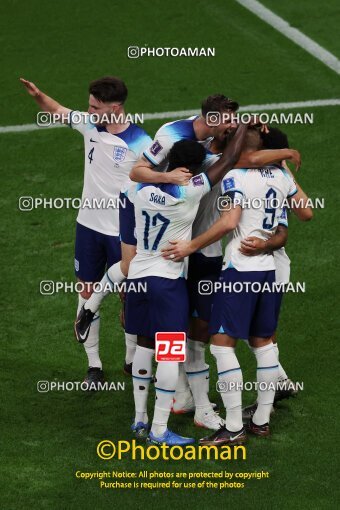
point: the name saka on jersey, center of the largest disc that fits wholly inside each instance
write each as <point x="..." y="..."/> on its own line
<point x="163" y="213"/>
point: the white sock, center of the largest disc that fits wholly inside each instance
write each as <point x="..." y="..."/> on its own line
<point x="130" y="344"/>
<point x="182" y="388"/>
<point x="229" y="373"/>
<point x="141" y="374"/>
<point x="165" y="385"/>
<point x="92" y="344"/>
<point x="282" y="374"/>
<point x="112" y="276"/>
<point x="198" y="373"/>
<point x="81" y="302"/>
<point x="267" y="373"/>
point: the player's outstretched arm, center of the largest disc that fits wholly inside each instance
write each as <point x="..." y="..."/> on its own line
<point x="227" y="222"/>
<point x="251" y="246"/>
<point x="299" y="201"/>
<point x="143" y="171"/>
<point x="46" y="103"/>
<point x="299" y="205"/>
<point x="229" y="157"/>
<point x="267" y="157"/>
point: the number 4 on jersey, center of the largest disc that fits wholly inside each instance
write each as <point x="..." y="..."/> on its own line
<point x="90" y="155"/>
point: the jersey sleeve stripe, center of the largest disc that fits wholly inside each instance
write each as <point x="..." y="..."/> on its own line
<point x="208" y="180"/>
<point x="292" y="193"/>
<point x="153" y="162"/>
<point x="233" y="191"/>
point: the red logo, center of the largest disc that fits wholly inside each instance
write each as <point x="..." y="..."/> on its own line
<point x="170" y="347"/>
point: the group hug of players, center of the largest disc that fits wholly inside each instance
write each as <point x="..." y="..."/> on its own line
<point x="168" y="235"/>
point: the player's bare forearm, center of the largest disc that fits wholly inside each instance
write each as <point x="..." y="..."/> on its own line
<point x="299" y="205"/>
<point x="46" y="103"/>
<point x="215" y="233"/>
<point x="299" y="202"/>
<point x="177" y="250"/>
<point x="255" y="246"/>
<point x="267" y="157"/>
<point x="144" y="172"/>
<point x="229" y="156"/>
<point x="278" y="240"/>
<point x="226" y="223"/>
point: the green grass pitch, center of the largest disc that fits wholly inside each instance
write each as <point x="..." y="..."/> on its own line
<point x="46" y="437"/>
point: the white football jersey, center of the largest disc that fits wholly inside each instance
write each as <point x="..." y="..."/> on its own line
<point x="168" y="134"/>
<point x="108" y="161"/>
<point x="208" y="213"/>
<point x="157" y="154"/>
<point x="163" y="213"/>
<point x="260" y="192"/>
<point x="281" y="259"/>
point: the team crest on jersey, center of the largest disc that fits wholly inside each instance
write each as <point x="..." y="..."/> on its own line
<point x="198" y="180"/>
<point x="229" y="184"/>
<point x="119" y="154"/>
<point x="155" y="148"/>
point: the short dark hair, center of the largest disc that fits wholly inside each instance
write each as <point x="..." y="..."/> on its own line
<point x="187" y="153"/>
<point x="109" y="89"/>
<point x="218" y="103"/>
<point x="275" y="139"/>
<point x="252" y="139"/>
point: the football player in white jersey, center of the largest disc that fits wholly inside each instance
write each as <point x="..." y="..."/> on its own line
<point x="205" y="268"/>
<point x="164" y="212"/>
<point x="155" y="157"/>
<point x="112" y="147"/>
<point x="202" y="265"/>
<point x="199" y="128"/>
<point x="275" y="139"/>
<point x="246" y="313"/>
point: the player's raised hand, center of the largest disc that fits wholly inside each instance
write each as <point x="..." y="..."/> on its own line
<point x="251" y="246"/>
<point x="295" y="158"/>
<point x="180" y="176"/>
<point x="177" y="250"/>
<point x="255" y="121"/>
<point x="30" y="87"/>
